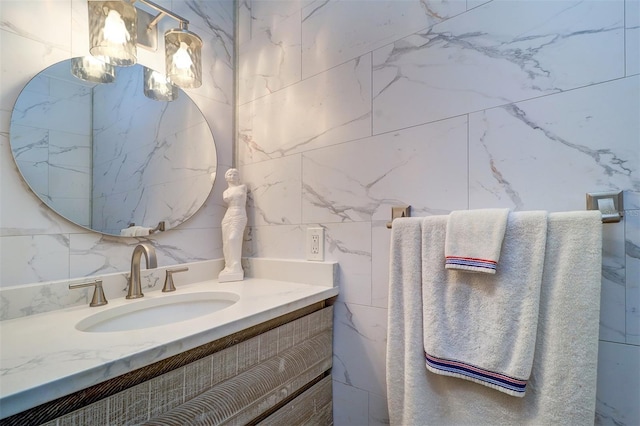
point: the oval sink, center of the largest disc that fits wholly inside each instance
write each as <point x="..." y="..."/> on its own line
<point x="157" y="311"/>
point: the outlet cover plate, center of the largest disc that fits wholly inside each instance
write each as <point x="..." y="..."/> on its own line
<point x="315" y="244"/>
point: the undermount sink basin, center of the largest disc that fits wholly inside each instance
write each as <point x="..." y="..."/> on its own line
<point x="157" y="311"/>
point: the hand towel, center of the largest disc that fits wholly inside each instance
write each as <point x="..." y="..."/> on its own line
<point x="562" y="386"/>
<point x="482" y="327"/>
<point x="135" y="231"/>
<point x="404" y="336"/>
<point x="474" y="239"/>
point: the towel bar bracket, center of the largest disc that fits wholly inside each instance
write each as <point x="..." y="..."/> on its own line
<point x="609" y="203"/>
<point x="399" y="211"/>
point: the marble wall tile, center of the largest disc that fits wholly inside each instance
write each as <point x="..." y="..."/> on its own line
<point x="573" y="143"/>
<point x="631" y="200"/>
<point x="33" y="258"/>
<point x="213" y="22"/>
<point x="350" y="405"/>
<point x="391" y="169"/>
<point x="360" y="334"/>
<point x="618" y="387"/>
<point x="380" y="252"/>
<point x="276" y="40"/>
<point x="220" y="117"/>
<point x="358" y="27"/>
<point x="18" y="301"/>
<point x="337" y="109"/>
<point x="350" y="245"/>
<point x="21" y="62"/>
<point x="612" y="293"/>
<point x="282" y="241"/>
<point x="632" y="36"/>
<point x="17" y="18"/>
<point x="260" y="14"/>
<point x="95" y="254"/>
<point x="79" y="28"/>
<point x="274" y="188"/>
<point x="632" y="249"/>
<point x="578" y="135"/>
<point x="378" y="412"/>
<point x="475" y="3"/>
<point x="495" y="54"/>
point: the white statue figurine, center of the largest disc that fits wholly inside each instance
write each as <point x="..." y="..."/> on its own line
<point x="233" y="224"/>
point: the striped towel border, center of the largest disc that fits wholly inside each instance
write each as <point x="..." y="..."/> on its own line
<point x="472" y="263"/>
<point x="501" y="382"/>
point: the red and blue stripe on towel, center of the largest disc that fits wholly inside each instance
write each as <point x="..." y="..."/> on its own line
<point x="457" y="369"/>
<point x="471" y="261"/>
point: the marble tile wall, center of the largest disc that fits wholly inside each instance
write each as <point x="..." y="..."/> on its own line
<point x="37" y="245"/>
<point x="346" y="108"/>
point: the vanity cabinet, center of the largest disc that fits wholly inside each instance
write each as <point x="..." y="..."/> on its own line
<point x="275" y="373"/>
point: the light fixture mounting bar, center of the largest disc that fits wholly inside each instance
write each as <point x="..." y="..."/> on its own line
<point x="164" y="12"/>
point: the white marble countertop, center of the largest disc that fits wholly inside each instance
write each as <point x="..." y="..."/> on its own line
<point x="43" y="357"/>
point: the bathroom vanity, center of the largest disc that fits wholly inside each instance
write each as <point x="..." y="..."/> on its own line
<point x="263" y="357"/>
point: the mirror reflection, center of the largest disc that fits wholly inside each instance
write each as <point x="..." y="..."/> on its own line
<point x="104" y="156"/>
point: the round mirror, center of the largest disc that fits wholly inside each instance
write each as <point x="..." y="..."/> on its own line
<point x="104" y="156"/>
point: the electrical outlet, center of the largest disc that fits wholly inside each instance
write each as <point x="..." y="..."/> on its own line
<point x="315" y="244"/>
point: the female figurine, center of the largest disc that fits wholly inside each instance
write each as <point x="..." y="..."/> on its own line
<point x="233" y="224"/>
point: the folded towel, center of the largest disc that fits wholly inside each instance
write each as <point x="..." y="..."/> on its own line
<point x="482" y="327"/>
<point x="474" y="239"/>
<point x="135" y="231"/>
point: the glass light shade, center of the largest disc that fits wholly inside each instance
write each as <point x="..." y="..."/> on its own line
<point x="157" y="87"/>
<point x="112" y="31"/>
<point x="183" y="50"/>
<point x="93" y="69"/>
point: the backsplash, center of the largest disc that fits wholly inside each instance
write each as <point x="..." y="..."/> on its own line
<point x="24" y="300"/>
<point x="348" y="108"/>
<point x="37" y="245"/>
<point x="31" y="299"/>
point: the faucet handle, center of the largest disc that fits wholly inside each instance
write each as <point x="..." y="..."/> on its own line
<point x="168" y="281"/>
<point x="98" y="298"/>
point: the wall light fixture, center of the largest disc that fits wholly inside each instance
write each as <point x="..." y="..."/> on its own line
<point x="116" y="26"/>
<point x="112" y="31"/>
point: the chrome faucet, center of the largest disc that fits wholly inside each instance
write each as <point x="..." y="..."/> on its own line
<point x="135" y="289"/>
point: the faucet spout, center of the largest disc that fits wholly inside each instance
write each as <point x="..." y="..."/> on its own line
<point x="135" y="288"/>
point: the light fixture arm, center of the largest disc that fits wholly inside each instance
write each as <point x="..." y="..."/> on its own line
<point x="164" y="12"/>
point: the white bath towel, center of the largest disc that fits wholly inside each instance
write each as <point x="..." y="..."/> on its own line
<point x="482" y="327"/>
<point x="135" y="231"/>
<point x="474" y="239"/>
<point x="563" y="380"/>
